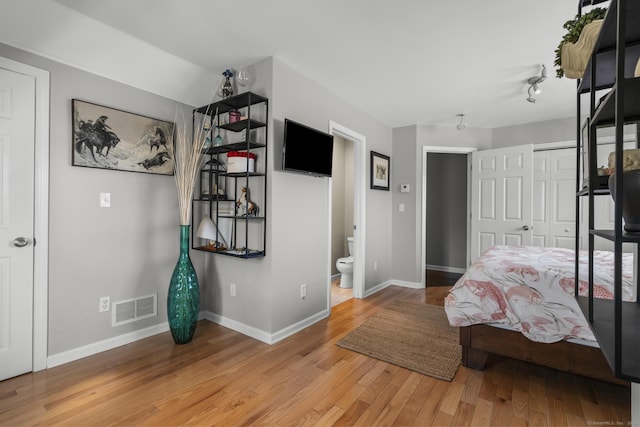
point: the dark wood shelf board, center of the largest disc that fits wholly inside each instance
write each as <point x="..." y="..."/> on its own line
<point x="232" y="103"/>
<point x="584" y="3"/>
<point x="212" y="199"/>
<point x="251" y="253"/>
<point x="606" y="69"/>
<point x="596" y="192"/>
<point x="242" y="125"/>
<point x="235" y="146"/>
<point x="604" y="331"/>
<point x="611" y="235"/>
<point x="605" y="113"/>
<point x="241" y="174"/>
<point x="243" y="217"/>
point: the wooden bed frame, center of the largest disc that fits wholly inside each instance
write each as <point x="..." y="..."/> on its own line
<point x="478" y="341"/>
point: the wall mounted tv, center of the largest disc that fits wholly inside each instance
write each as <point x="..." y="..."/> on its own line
<point x="306" y="150"/>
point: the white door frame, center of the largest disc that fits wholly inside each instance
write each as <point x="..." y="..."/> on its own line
<point x="426" y="149"/>
<point x="41" y="210"/>
<point x="359" y="196"/>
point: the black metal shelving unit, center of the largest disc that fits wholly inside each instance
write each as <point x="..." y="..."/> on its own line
<point x="615" y="323"/>
<point x="248" y="238"/>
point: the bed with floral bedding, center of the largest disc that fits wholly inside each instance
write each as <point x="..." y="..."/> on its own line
<point x="530" y="290"/>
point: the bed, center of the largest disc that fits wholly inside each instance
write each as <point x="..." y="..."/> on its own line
<point x="518" y="301"/>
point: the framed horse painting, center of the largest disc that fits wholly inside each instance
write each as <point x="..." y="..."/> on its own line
<point x="108" y="138"/>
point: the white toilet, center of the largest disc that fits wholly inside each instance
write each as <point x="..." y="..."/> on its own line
<point x="345" y="266"/>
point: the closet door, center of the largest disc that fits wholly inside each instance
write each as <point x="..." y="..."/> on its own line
<point x="562" y="203"/>
<point x="554" y="178"/>
<point x="501" y="197"/>
<point x="540" y="205"/>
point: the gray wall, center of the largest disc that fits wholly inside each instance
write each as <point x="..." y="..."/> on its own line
<point x="446" y="210"/>
<point x="125" y="251"/>
<point x="535" y="133"/>
<point x="298" y="231"/>
<point x="408" y="143"/>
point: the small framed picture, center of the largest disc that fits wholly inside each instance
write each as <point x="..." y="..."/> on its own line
<point x="380" y="171"/>
<point x="108" y="138"/>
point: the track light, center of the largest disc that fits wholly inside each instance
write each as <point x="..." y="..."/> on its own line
<point x="534" y="83"/>
<point x="461" y="125"/>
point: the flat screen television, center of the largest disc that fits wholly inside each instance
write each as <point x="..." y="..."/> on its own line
<point x="306" y="150"/>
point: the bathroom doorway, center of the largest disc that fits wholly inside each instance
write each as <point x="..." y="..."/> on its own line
<point x="342" y="214"/>
<point x="357" y="222"/>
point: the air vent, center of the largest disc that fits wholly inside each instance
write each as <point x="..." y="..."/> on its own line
<point x="134" y="309"/>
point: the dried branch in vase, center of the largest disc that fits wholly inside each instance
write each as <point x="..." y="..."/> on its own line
<point x="189" y="155"/>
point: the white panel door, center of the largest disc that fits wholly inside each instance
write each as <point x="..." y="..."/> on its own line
<point x="17" y="118"/>
<point x="562" y="200"/>
<point x="501" y="185"/>
<point x="540" y="205"/>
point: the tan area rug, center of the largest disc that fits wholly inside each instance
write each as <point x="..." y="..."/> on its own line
<point x="410" y="335"/>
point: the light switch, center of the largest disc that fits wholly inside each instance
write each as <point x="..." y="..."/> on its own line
<point x="401" y="207"/>
<point x="105" y="200"/>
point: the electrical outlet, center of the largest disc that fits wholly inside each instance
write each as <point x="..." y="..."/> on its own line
<point x="232" y="289"/>
<point x="104" y="304"/>
<point x="303" y="291"/>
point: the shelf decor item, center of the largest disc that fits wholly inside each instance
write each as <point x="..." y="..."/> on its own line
<point x="227" y="87"/>
<point x="574" y="51"/>
<point x="244" y="78"/>
<point x="183" y="297"/>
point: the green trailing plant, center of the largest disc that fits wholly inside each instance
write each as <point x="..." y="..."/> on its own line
<point x="574" y="28"/>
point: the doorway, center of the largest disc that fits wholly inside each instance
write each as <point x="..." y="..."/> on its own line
<point x="459" y="251"/>
<point x="358" y="142"/>
<point x="342" y="220"/>
<point x="37" y="122"/>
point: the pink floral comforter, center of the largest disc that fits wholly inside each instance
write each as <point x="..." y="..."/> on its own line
<point x="531" y="290"/>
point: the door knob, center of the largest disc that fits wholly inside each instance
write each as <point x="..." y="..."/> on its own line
<point x="20" y="242"/>
<point x="525" y="227"/>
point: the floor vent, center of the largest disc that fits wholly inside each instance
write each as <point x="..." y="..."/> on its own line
<point x="134" y="309"/>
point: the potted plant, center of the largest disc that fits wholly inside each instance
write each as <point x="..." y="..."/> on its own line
<point x="573" y="52"/>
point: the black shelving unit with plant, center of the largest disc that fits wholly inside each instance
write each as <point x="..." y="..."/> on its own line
<point x="615" y="323"/>
<point x="240" y="231"/>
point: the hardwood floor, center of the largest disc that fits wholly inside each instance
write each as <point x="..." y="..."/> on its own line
<point x="225" y="378"/>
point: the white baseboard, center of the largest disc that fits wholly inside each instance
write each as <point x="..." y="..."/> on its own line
<point x="104" y="345"/>
<point x="412" y="285"/>
<point x="261" y="335"/>
<point x="250" y="331"/>
<point x="446" y="269"/>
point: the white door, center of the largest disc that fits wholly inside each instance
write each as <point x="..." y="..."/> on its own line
<point x="501" y="186"/>
<point x="17" y="119"/>
<point x="562" y="199"/>
<point x="554" y="190"/>
<point x="541" y="194"/>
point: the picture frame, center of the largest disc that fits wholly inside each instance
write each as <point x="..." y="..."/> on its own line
<point x="108" y="138"/>
<point x="380" y="171"/>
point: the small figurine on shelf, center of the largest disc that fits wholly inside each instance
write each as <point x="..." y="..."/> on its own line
<point x="227" y="88"/>
<point x="244" y="205"/>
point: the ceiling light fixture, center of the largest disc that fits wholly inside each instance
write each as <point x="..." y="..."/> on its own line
<point x="461" y="125"/>
<point x="534" y="84"/>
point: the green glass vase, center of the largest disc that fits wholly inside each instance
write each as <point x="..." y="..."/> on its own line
<point x="183" y="299"/>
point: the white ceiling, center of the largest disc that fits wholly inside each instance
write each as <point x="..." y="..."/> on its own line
<point x="405" y="62"/>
